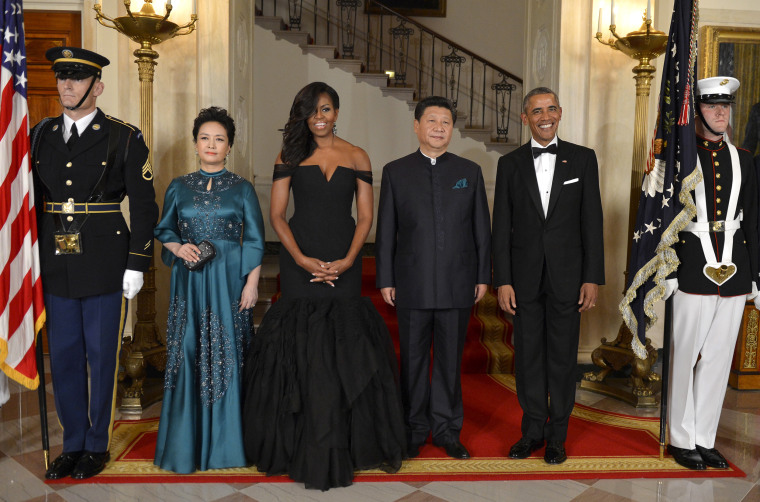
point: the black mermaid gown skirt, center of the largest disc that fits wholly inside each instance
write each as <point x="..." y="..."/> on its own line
<point x="321" y="396"/>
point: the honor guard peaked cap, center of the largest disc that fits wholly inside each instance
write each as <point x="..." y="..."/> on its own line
<point x="717" y="89"/>
<point x="76" y="63"/>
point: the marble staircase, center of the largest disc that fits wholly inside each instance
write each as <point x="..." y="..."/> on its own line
<point x="358" y="69"/>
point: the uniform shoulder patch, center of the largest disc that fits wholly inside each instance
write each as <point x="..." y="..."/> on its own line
<point x="147" y="171"/>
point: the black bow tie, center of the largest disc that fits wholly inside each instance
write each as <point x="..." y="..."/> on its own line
<point x="549" y="149"/>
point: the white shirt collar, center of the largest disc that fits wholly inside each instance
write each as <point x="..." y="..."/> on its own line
<point x="81" y="123"/>
<point x="533" y="142"/>
<point x="432" y="159"/>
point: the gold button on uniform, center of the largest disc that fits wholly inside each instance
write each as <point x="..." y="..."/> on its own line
<point x="717" y="187"/>
<point x="69" y="218"/>
<point x="719" y="212"/>
<point x="683" y="241"/>
<point x="715" y="154"/>
<point x="716" y="165"/>
<point x="68" y="164"/>
<point x="717" y="201"/>
<point x="118" y="232"/>
<point x="68" y="183"/>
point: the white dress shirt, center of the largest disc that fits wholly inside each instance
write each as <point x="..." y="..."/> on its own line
<point x="544" y="165"/>
<point x="81" y="124"/>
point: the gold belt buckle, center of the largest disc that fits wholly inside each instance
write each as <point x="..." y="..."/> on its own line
<point x="68" y="207"/>
<point x="67" y="243"/>
<point x="717" y="226"/>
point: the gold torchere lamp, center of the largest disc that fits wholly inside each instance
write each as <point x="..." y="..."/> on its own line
<point x="644" y="45"/>
<point x="147" y="28"/>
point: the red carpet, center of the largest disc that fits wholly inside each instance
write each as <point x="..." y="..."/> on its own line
<point x="601" y="444"/>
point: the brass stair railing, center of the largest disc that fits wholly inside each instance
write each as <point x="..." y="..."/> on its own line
<point x="414" y="56"/>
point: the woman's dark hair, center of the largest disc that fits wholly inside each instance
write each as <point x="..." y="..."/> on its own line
<point x="297" y="141"/>
<point x="215" y="114"/>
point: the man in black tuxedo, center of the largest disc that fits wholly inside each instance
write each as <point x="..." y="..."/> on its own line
<point x="548" y="263"/>
<point x="84" y="163"/>
<point x="433" y="263"/>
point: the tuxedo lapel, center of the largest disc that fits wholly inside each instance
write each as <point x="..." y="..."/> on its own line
<point x="528" y="173"/>
<point x="558" y="180"/>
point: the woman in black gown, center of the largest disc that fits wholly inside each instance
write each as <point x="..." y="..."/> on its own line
<point x="321" y="396"/>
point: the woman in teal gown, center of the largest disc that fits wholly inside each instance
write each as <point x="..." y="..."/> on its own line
<point x="210" y="319"/>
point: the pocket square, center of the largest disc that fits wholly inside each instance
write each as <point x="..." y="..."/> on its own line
<point x="574" y="180"/>
<point x="460" y="184"/>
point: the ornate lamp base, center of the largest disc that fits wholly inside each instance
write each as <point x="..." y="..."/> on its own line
<point x="641" y="388"/>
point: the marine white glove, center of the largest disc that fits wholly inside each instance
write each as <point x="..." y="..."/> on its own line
<point x="132" y="283"/>
<point x="753" y="294"/>
<point x="671" y="286"/>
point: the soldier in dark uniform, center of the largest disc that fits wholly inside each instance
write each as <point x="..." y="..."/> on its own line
<point x="84" y="164"/>
<point x="718" y="251"/>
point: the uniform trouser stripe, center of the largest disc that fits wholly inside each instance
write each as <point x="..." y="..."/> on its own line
<point x="122" y="323"/>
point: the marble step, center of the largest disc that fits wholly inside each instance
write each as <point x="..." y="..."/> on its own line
<point x="376" y="79"/>
<point x="323" y="51"/>
<point x="273" y="23"/>
<point x="296" y="37"/>
<point x="350" y="65"/>
<point x="402" y="93"/>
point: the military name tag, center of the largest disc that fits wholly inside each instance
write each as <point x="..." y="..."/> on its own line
<point x="719" y="274"/>
<point x="67" y="243"/>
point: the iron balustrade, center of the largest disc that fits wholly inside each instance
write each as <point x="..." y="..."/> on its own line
<point x="413" y="56"/>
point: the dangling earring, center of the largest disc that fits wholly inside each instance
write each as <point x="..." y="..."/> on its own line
<point x="335" y="129"/>
<point x="225" y="159"/>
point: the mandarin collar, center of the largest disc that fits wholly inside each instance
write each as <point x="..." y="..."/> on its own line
<point x="212" y="175"/>
<point x="707" y="144"/>
<point x="427" y="160"/>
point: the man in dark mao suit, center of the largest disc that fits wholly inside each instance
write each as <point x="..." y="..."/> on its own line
<point x="84" y="164"/>
<point x="548" y="262"/>
<point x="433" y="263"/>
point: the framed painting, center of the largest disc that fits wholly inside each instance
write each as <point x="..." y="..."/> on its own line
<point x="432" y="8"/>
<point x="735" y="52"/>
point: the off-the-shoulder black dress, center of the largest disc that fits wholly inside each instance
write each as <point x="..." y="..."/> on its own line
<point x="321" y="392"/>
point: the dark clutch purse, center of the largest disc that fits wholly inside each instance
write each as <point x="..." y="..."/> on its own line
<point x="208" y="251"/>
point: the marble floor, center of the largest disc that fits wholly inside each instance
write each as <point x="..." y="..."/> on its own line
<point x="22" y="469"/>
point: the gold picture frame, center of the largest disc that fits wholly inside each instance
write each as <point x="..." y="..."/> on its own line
<point x="429" y="8"/>
<point x="742" y="47"/>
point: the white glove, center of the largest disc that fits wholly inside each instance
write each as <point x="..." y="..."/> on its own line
<point x="132" y="283"/>
<point x="671" y="286"/>
<point x="753" y="294"/>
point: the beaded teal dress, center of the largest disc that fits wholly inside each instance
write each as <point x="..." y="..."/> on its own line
<point x="201" y="423"/>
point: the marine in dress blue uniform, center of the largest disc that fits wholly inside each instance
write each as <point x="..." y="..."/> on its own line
<point x="84" y="163"/>
<point x="718" y="252"/>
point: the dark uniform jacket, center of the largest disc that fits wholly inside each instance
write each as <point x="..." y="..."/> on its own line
<point x="568" y="240"/>
<point x="715" y="159"/>
<point x="108" y="246"/>
<point x="433" y="231"/>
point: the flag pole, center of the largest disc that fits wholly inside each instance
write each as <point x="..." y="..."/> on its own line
<point x="41" y="394"/>
<point x="667" y="336"/>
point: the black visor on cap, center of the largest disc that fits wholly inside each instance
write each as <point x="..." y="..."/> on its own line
<point x="716" y="98"/>
<point x="73" y="74"/>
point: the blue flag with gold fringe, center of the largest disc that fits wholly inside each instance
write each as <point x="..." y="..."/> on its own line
<point x="665" y="204"/>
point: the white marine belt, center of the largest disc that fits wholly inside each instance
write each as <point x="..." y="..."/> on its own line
<point x="715" y="226"/>
<point x="718" y="271"/>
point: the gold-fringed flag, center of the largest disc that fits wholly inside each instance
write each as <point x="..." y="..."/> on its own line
<point x="665" y="204"/>
<point x="22" y="311"/>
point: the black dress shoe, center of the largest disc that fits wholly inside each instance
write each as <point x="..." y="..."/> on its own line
<point x="713" y="458"/>
<point x="90" y="464"/>
<point x="555" y="452"/>
<point x="524" y="447"/>
<point x="455" y="449"/>
<point x="63" y="465"/>
<point x="413" y="450"/>
<point x="691" y="459"/>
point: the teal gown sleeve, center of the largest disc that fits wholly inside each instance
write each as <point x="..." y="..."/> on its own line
<point x="167" y="229"/>
<point x="253" y="232"/>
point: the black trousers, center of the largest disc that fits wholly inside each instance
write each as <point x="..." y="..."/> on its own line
<point x="432" y="404"/>
<point x="546" y="336"/>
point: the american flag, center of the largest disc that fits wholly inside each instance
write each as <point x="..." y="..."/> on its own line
<point x="22" y="311"/>
<point x="665" y="205"/>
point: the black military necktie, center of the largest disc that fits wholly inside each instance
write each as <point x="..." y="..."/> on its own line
<point x="549" y="149"/>
<point x="74" y="136"/>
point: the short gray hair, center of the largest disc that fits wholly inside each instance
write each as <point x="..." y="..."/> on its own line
<point x="536" y="92"/>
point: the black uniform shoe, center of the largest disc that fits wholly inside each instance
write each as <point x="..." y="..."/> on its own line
<point x="555" y="452"/>
<point x="524" y="447"/>
<point x="455" y="449"/>
<point x="691" y="459"/>
<point x="713" y="458"/>
<point x="63" y="465"/>
<point x="90" y="464"/>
